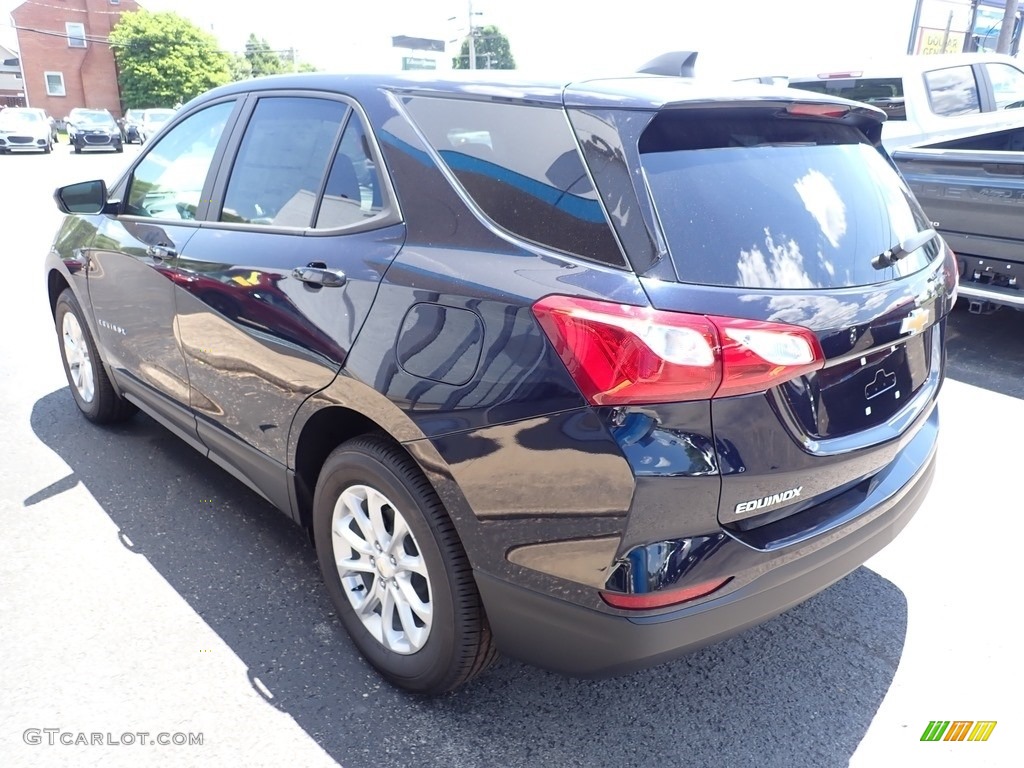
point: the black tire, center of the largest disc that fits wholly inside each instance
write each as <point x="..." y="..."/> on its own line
<point x="105" y="405"/>
<point x="119" y="148"/>
<point x="78" y="150"/>
<point x="47" y="149"/>
<point x="459" y="645"/>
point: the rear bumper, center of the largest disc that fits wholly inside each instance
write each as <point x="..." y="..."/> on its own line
<point x="575" y="640"/>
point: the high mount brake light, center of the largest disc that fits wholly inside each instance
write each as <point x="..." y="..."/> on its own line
<point x="621" y="354"/>
<point x="818" y="110"/>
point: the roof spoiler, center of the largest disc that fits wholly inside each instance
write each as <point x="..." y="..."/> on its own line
<point x="674" y="63"/>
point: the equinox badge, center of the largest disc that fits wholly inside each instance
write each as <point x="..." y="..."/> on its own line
<point x="768" y="501"/>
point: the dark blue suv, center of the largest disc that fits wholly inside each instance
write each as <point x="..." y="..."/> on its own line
<point x="591" y="373"/>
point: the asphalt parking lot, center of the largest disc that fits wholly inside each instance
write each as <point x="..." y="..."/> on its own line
<point x="143" y="590"/>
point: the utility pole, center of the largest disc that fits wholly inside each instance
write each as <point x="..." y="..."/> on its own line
<point x="914" y="24"/>
<point x="472" y="37"/>
<point x="1005" y="41"/>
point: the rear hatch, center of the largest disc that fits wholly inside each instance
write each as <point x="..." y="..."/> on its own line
<point x="785" y="212"/>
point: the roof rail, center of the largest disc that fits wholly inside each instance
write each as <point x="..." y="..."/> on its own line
<point x="675" y="63"/>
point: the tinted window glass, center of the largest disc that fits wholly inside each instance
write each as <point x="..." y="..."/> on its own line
<point x="521" y="166"/>
<point x="1007" y="85"/>
<point x="886" y="93"/>
<point x="352" y="193"/>
<point x="168" y="183"/>
<point x="282" y="161"/>
<point x="952" y="91"/>
<point x="761" y="202"/>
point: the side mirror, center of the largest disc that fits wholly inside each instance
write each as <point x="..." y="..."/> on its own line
<point x="84" y="197"/>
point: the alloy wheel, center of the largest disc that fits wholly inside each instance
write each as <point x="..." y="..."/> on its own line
<point x="382" y="569"/>
<point x="76" y="352"/>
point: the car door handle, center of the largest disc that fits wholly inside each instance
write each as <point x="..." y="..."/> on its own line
<point x="161" y="252"/>
<point x="328" y="278"/>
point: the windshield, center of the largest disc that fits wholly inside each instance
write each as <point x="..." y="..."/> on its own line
<point x="159" y="117"/>
<point x="10" y="117"/>
<point x="91" y="118"/>
<point x="777" y="203"/>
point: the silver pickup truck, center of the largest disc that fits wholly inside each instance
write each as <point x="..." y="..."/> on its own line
<point x="972" y="188"/>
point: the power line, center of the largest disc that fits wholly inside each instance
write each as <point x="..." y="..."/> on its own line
<point x="106" y="41"/>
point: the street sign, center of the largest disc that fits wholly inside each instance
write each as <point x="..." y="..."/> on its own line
<point x="417" y="62"/>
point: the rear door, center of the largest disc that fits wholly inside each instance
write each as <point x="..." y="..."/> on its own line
<point x="275" y="286"/>
<point x="782" y="214"/>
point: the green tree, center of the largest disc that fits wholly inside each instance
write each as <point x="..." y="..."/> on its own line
<point x="164" y="59"/>
<point x="262" y="59"/>
<point x="240" y="68"/>
<point x="493" y="50"/>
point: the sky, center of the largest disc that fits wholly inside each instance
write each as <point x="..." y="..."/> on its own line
<point x="734" y="37"/>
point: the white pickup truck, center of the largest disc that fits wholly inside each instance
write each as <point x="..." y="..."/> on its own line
<point x="927" y="97"/>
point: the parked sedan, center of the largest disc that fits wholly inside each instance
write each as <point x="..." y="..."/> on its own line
<point x="131" y="127"/>
<point x="24" y="130"/>
<point x="93" y="129"/>
<point x="591" y="373"/>
<point x="153" y="120"/>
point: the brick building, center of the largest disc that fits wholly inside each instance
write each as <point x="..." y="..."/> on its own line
<point x="12" y="90"/>
<point x="65" y="60"/>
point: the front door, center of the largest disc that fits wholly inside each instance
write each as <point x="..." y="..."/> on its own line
<point x="133" y="263"/>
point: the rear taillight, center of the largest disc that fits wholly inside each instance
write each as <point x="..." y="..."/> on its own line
<point x="621" y="354"/>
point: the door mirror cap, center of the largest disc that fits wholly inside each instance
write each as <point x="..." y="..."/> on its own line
<point x="87" y="197"/>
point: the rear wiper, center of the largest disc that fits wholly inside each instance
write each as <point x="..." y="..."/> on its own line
<point x="904" y="249"/>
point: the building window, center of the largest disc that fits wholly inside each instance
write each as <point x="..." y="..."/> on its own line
<point x="76" y="34"/>
<point x="115" y="2"/>
<point x="55" y="84"/>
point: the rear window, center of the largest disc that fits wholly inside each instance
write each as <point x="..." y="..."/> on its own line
<point x="776" y="202"/>
<point x="520" y="164"/>
<point x="886" y="93"/>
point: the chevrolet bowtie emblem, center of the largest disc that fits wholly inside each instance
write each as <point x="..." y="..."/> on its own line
<point x="916" y="321"/>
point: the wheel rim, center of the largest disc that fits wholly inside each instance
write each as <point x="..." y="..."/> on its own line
<point x="76" y="352"/>
<point x="382" y="569"/>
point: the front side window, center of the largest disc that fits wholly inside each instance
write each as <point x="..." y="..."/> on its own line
<point x="75" y="34"/>
<point x="952" y="91"/>
<point x="521" y="166"/>
<point x="55" y="84"/>
<point x="282" y="161"/>
<point x="168" y="183"/>
<point x="1007" y="85"/>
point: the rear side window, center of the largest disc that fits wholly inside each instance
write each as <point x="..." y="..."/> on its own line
<point x="520" y="164"/>
<point x="886" y="93"/>
<point x="749" y="199"/>
<point x="952" y="91"/>
<point x="285" y="152"/>
<point x="353" y="190"/>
